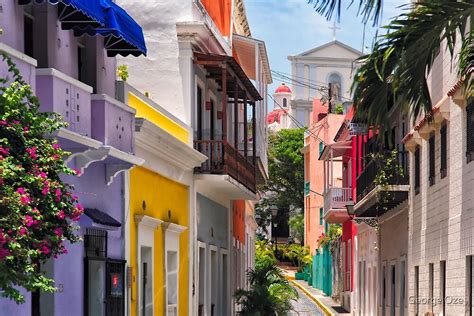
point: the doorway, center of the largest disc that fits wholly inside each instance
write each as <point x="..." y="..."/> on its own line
<point x="146" y="281"/>
<point x="392" y="291"/>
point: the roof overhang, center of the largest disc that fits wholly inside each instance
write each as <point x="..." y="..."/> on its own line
<point x="246" y="48"/>
<point x="338" y="149"/>
<point x="215" y="64"/>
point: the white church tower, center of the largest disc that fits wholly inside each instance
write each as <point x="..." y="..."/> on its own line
<point x="312" y="72"/>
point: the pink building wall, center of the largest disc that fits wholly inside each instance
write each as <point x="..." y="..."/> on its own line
<point x="322" y="127"/>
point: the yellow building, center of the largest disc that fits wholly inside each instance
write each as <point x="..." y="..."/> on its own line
<point x="158" y="219"/>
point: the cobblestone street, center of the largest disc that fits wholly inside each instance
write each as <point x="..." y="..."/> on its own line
<point x="305" y="306"/>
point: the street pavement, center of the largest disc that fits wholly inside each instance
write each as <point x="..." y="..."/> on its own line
<point x="305" y="306"/>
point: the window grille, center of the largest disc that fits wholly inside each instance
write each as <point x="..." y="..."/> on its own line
<point x="95" y="243"/>
<point x="470" y="131"/>
<point x="417" y="170"/>
<point x="432" y="176"/>
<point x="444" y="151"/>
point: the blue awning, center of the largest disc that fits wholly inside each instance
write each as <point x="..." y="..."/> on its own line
<point x="122" y="34"/>
<point x="74" y="13"/>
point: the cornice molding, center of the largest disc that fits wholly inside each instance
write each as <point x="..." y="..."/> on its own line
<point x="148" y="221"/>
<point x="157" y="141"/>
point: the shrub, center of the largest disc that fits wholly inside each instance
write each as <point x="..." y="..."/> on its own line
<point x="37" y="210"/>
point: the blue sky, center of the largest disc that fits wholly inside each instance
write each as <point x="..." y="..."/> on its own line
<point x="290" y="27"/>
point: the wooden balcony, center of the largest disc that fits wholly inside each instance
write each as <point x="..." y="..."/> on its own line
<point x="224" y="159"/>
<point x="335" y="201"/>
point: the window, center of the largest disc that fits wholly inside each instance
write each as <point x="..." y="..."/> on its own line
<point x="284" y="103"/>
<point x="349" y="265"/>
<point x="432" y="177"/>
<point x="199" y="112"/>
<point x="402" y="288"/>
<point x="81" y="69"/>
<point x="417" y="290"/>
<point x="431" y="284"/>
<point x="469" y="285"/>
<point x="444" y="150"/>
<point x="321" y="147"/>
<point x="28" y="36"/>
<point x="470" y="130"/>
<point x="442" y="285"/>
<point x="417" y="170"/>
<point x="321" y="216"/>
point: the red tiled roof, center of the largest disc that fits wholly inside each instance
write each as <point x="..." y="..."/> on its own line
<point x="275" y="115"/>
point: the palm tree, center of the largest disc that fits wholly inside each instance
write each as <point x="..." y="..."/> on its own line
<point x="394" y="74"/>
<point x="269" y="294"/>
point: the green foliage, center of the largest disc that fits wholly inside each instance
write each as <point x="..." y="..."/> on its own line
<point x="331" y="238"/>
<point x="388" y="171"/>
<point x="368" y="9"/>
<point x="122" y="72"/>
<point x="37" y="210"/>
<point x="339" y="109"/>
<point x="296" y="223"/>
<point x="300" y="255"/>
<point x="286" y="172"/>
<point x="264" y="253"/>
<point x="269" y="293"/>
<point x="394" y="74"/>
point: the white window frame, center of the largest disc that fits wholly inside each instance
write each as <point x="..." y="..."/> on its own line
<point x="210" y="277"/>
<point x="202" y="245"/>
<point x="172" y="234"/>
<point x="146" y="227"/>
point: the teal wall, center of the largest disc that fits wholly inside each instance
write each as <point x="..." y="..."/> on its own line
<point x="322" y="271"/>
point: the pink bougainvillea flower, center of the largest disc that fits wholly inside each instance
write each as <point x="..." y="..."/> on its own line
<point x="21" y="190"/>
<point x="61" y="214"/>
<point x="43" y="175"/>
<point x="58" y="231"/>
<point x="16" y="122"/>
<point x="22" y="231"/>
<point x="57" y="192"/>
<point x="77" y="171"/>
<point x="4" y="253"/>
<point x="32" y="152"/>
<point x="25" y="129"/>
<point x="25" y="199"/>
<point x="44" y="249"/>
<point x="29" y="221"/>
<point x="4" y="151"/>
<point x="3" y="123"/>
<point x="56" y="157"/>
<point x="56" y="146"/>
<point x="45" y="190"/>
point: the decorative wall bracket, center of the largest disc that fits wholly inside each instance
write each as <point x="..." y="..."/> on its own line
<point x="86" y="158"/>
<point x="369" y="221"/>
<point x="112" y="170"/>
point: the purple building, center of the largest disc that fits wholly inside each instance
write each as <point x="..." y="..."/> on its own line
<point x="65" y="50"/>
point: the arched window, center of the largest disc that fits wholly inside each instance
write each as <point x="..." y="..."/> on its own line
<point x="336" y="84"/>
<point x="284" y="102"/>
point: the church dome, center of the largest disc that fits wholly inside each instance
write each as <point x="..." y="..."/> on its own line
<point x="283" y="88"/>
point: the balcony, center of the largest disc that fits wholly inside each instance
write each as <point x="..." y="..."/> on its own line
<point x="25" y="64"/>
<point x="369" y="200"/>
<point x="335" y="201"/>
<point x="67" y="96"/>
<point x="112" y="122"/>
<point x="223" y="159"/>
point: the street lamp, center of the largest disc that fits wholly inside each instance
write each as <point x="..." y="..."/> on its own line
<point x="274" y="210"/>
<point x="350" y="208"/>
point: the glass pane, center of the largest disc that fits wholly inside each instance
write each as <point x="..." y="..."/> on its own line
<point x="96" y="289"/>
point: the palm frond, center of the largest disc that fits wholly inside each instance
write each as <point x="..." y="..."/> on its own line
<point x="394" y="74"/>
<point x="368" y="9"/>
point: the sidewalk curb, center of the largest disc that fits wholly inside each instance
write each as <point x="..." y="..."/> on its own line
<point x="324" y="308"/>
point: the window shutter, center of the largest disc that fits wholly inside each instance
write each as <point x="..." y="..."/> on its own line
<point x="470" y="131"/>
<point x="432" y="159"/>
<point x="321" y="216"/>
<point x="444" y="151"/>
<point x="417" y="169"/>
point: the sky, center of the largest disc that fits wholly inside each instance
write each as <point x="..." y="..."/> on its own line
<point x="290" y="27"/>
